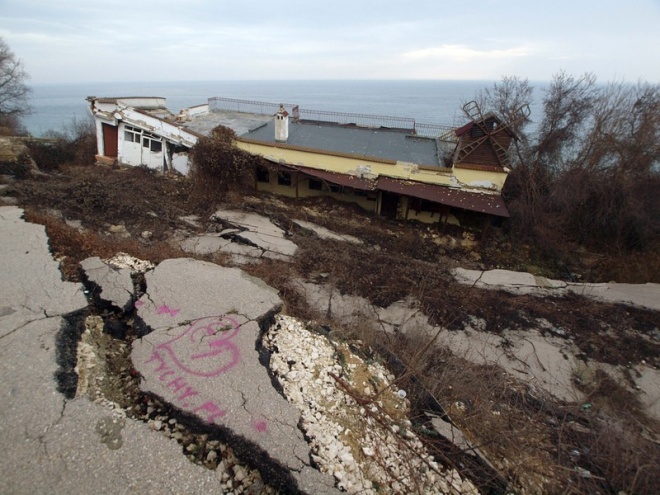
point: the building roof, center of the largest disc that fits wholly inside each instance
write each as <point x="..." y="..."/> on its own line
<point x="239" y="122"/>
<point x="493" y="204"/>
<point x="383" y="143"/>
<point x="489" y="116"/>
<point x="345" y="180"/>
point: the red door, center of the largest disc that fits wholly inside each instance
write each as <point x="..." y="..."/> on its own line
<point x="110" y="137"/>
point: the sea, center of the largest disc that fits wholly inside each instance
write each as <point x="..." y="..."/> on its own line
<point x="57" y="107"/>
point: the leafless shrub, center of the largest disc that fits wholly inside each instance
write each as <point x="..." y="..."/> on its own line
<point x="590" y="175"/>
<point x="219" y="167"/>
<point x="76" y="144"/>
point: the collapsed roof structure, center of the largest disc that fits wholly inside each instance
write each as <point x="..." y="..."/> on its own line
<point x="392" y="166"/>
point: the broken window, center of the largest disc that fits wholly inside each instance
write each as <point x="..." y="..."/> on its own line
<point x="315" y="185"/>
<point x="263" y="175"/>
<point x="156" y="146"/>
<point x="284" y="179"/>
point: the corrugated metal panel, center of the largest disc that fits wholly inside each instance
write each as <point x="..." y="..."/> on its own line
<point x="492" y="204"/>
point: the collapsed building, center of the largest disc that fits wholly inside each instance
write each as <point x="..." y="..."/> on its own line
<point x="390" y="166"/>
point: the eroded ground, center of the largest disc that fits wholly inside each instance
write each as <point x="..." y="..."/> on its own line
<point x="599" y="437"/>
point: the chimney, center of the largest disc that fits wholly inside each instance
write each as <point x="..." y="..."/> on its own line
<point x="282" y="125"/>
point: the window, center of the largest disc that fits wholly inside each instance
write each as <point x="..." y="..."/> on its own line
<point x="263" y="175"/>
<point x="156" y="146"/>
<point x="360" y="192"/>
<point x="335" y="188"/>
<point x="315" y="185"/>
<point x="132" y="135"/>
<point x="284" y="179"/>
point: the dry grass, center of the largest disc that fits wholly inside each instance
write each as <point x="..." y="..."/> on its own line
<point x="528" y="437"/>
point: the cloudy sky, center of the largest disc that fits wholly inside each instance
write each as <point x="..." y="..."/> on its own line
<point x="205" y="40"/>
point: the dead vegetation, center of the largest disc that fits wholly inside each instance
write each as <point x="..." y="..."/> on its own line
<point x="533" y="442"/>
<point x="530" y="439"/>
<point x="587" y="180"/>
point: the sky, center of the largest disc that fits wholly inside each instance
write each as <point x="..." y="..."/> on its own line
<point x="78" y="41"/>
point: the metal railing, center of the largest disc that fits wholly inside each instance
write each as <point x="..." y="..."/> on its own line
<point x="358" y="119"/>
<point x="435" y="131"/>
<point x="218" y="103"/>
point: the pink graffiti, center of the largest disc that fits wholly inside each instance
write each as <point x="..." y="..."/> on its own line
<point x="184" y="391"/>
<point x="205" y="349"/>
<point x="139" y="303"/>
<point x="164" y="309"/>
<point x="212" y="409"/>
<point x="217" y="354"/>
<point x="260" y="425"/>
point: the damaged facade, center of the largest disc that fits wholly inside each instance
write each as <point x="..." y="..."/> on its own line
<point x="391" y="166"/>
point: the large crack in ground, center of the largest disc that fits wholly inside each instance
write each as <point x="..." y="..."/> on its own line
<point x="94" y="348"/>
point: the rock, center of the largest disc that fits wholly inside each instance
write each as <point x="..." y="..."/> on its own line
<point x="201" y="357"/>
<point x="119" y="230"/>
<point x="115" y="283"/>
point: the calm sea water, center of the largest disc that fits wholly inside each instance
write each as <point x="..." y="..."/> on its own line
<point x="55" y="106"/>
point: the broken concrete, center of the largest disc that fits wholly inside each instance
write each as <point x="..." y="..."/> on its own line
<point x="116" y="285"/>
<point x="51" y="444"/>
<point x="32" y="286"/>
<point x="202" y="357"/>
<point x="533" y="356"/>
<point x="257" y="230"/>
<point x="248" y="237"/>
<point x="641" y="295"/>
<point x="205" y="244"/>
<point x="326" y="234"/>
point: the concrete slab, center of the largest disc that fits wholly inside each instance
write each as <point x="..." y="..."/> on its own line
<point x="248" y="236"/>
<point x="115" y="283"/>
<point x="326" y="234"/>
<point x="51" y="444"/>
<point x="641" y="295"/>
<point x="32" y="286"/>
<point x="204" y="244"/>
<point x="257" y="230"/>
<point x="269" y="243"/>
<point x="203" y="359"/>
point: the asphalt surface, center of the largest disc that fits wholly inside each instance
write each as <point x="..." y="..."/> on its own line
<point x="50" y="444"/>
<point x="202" y="357"/>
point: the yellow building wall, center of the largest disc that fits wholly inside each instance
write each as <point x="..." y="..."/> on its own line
<point x="472" y="179"/>
<point x="345" y="165"/>
<point x="303" y="191"/>
<point x="467" y="177"/>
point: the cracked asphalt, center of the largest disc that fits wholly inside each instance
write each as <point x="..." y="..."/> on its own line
<point x="52" y="445"/>
<point x="203" y="357"/>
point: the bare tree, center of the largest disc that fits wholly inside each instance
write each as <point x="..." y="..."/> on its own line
<point x="13" y="88"/>
<point x="591" y="172"/>
<point x="505" y="97"/>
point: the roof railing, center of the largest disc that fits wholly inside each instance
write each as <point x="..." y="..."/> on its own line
<point x="435" y="131"/>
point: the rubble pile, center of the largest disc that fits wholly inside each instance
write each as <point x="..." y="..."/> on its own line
<point x="355" y="420"/>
